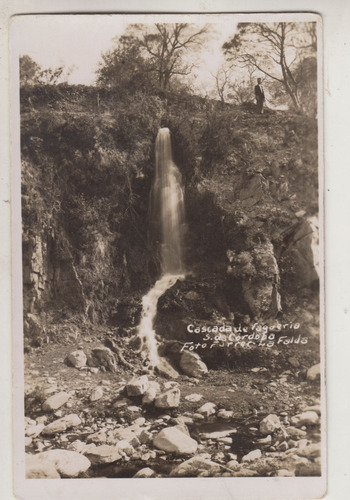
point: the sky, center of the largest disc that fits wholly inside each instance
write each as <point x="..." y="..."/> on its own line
<point x="77" y="42"/>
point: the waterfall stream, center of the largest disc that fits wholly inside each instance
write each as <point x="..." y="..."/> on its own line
<point x="167" y="219"/>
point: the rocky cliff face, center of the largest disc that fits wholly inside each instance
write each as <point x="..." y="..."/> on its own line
<point x="250" y="192"/>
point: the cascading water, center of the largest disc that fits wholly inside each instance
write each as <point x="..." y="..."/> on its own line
<point x="167" y="218"/>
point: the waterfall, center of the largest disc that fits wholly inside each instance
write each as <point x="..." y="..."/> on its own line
<point x="167" y="206"/>
<point x="167" y="220"/>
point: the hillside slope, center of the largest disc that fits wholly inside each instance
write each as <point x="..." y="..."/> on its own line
<point x="87" y="167"/>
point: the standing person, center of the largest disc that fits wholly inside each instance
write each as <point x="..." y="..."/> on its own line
<point x="260" y="97"/>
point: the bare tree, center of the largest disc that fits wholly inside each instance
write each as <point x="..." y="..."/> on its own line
<point x="166" y="46"/>
<point x="223" y="82"/>
<point x="275" y="49"/>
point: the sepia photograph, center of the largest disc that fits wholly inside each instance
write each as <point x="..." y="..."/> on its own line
<point x="170" y="212"/>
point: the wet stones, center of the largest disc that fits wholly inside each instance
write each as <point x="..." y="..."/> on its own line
<point x="269" y="424"/>
<point x="173" y="440"/>
<point x="56" y="401"/>
<point x="192" y="365"/>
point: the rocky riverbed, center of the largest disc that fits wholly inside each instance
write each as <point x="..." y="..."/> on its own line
<point x="109" y="420"/>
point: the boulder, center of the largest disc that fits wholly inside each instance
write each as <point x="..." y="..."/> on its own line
<point x="225" y="414"/>
<point x="99" y="437"/>
<point x="265" y="440"/>
<point x="77" y="446"/>
<point x="305" y="418"/>
<point x="124" y="447"/>
<point x="168" y="399"/>
<point x="251" y="456"/>
<point x="308" y="469"/>
<point x="269" y="424"/>
<point x="183" y="428"/>
<point x="316" y="408"/>
<point x="218" y="434"/>
<point x="140" y="421"/>
<point x="77" y="359"/>
<point x="232" y="464"/>
<point x="195" y="466"/>
<point x="198" y="416"/>
<point x="194" y="398"/>
<point x="62" y="424"/>
<point x="295" y="433"/>
<point x="283" y="446"/>
<point x="145" y="472"/>
<point x="134" y="409"/>
<point x="102" y="357"/>
<point x="244" y="473"/>
<point x="104" y="454"/>
<point x="56" y="401"/>
<point x="173" y="440"/>
<point x="284" y="473"/>
<point x="96" y="394"/>
<point x="145" y="436"/>
<point x="314" y="372"/>
<point x="192" y="365"/>
<point x="207" y="409"/>
<point x="66" y="463"/>
<point x="151" y="393"/>
<point x="127" y="434"/>
<point x="34" y="430"/>
<point x="182" y="420"/>
<point x="40" y="469"/>
<point x="165" y="369"/>
<point x="294" y="362"/>
<point x="42" y="419"/>
<point x="137" y="386"/>
<point x="311" y="451"/>
<point x="121" y="403"/>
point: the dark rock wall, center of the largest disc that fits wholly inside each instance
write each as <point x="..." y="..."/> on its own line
<point x="250" y="193"/>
